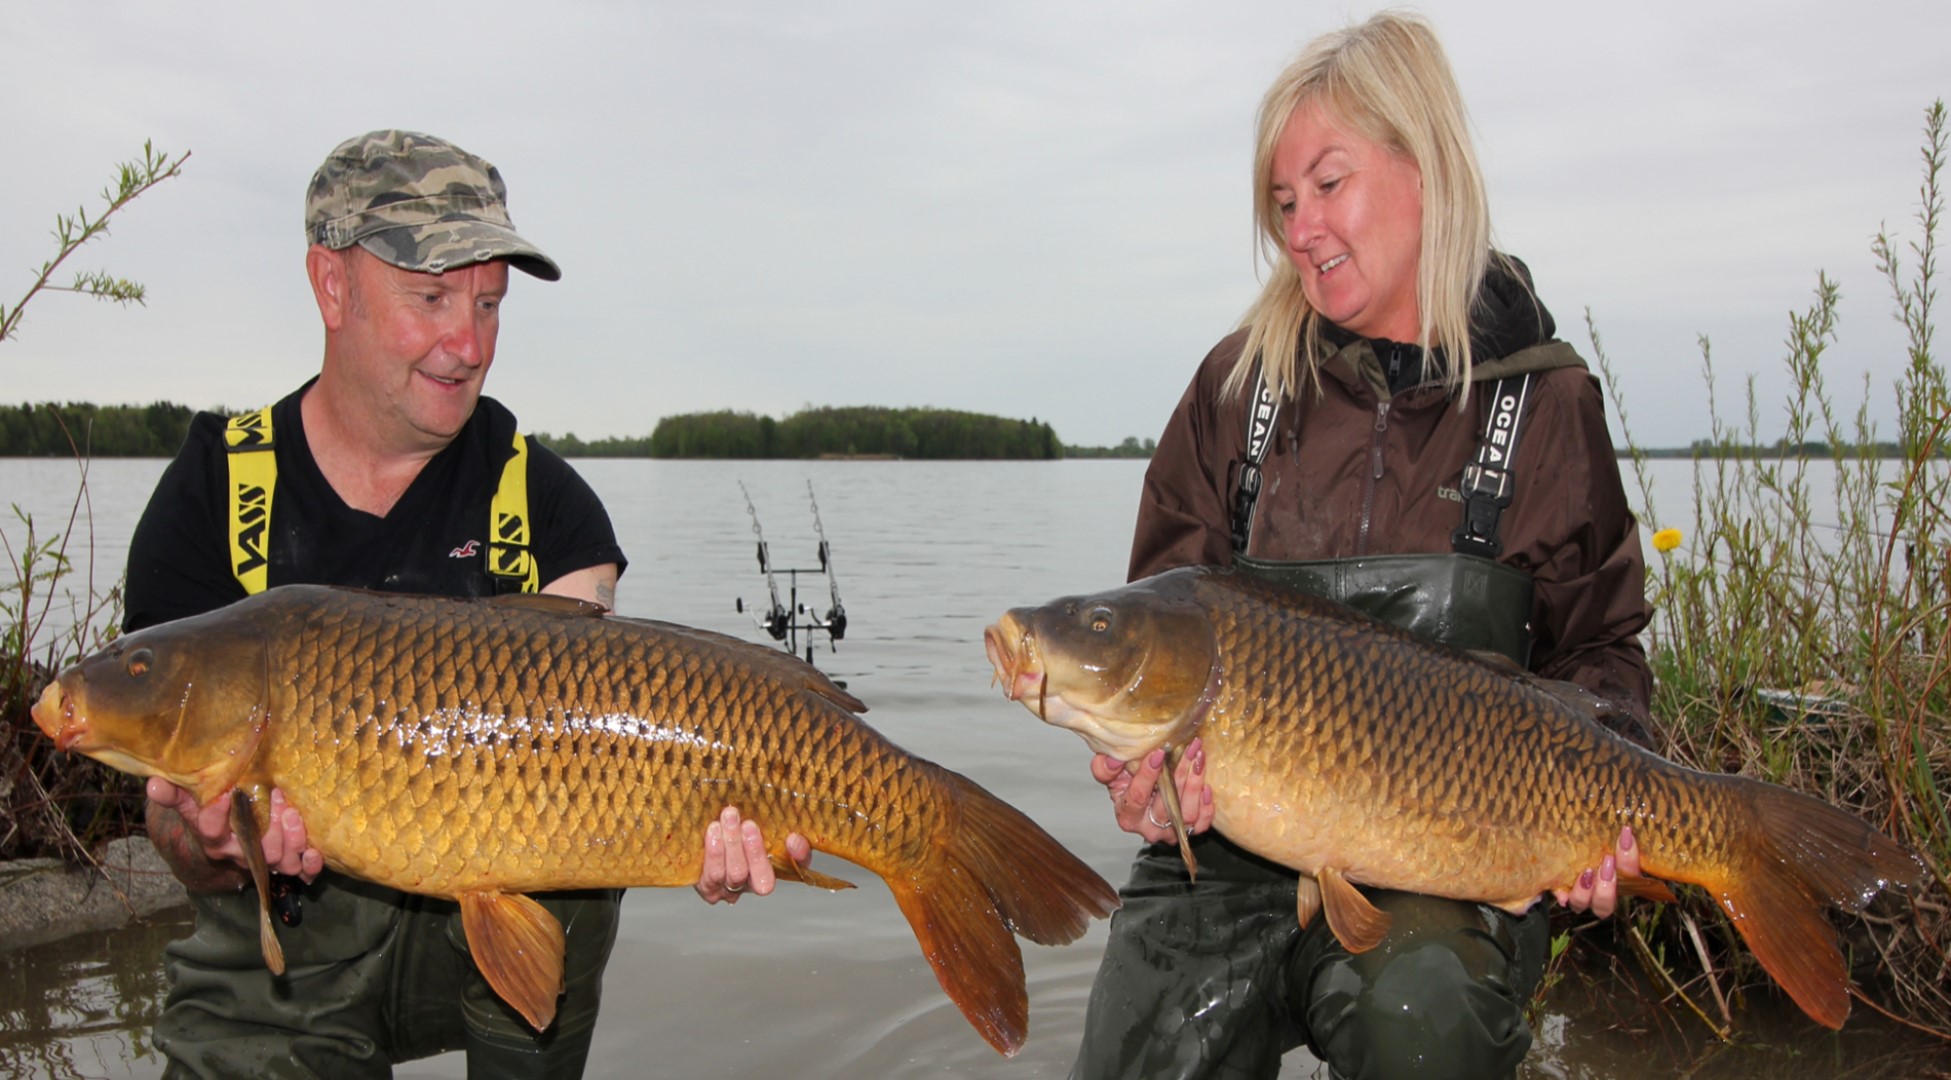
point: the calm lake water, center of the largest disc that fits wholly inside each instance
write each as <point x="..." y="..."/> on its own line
<point x="806" y="983"/>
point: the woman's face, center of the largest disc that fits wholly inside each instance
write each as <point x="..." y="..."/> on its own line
<point x="1352" y="212"/>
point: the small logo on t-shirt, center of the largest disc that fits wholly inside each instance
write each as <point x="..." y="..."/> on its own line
<point x="466" y="551"/>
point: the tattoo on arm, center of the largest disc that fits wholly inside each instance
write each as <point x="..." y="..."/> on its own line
<point x="170" y="835"/>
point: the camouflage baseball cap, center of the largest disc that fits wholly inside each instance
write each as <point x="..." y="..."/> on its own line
<point x="419" y="203"/>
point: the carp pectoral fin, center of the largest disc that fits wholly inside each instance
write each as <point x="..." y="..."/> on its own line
<point x="1169" y="787"/>
<point x="787" y="870"/>
<point x="517" y="945"/>
<point x="1358" y="924"/>
<point x="1646" y="888"/>
<point x="243" y="822"/>
<point x="1307" y="900"/>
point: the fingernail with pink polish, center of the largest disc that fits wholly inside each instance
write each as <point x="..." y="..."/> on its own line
<point x="1585" y="880"/>
<point x="1607" y="869"/>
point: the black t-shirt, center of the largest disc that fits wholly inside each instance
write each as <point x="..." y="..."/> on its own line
<point x="433" y="541"/>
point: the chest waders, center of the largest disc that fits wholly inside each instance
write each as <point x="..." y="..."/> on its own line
<point x="1214" y="978"/>
<point x="373" y="976"/>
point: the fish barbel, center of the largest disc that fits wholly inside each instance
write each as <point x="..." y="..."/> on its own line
<point x="1358" y="753"/>
<point x="484" y="750"/>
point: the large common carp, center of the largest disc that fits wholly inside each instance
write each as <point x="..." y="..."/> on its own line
<point x="484" y="750"/>
<point x="1358" y="753"/>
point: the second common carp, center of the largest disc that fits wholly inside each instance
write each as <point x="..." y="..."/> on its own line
<point x="1358" y="753"/>
<point x="484" y="750"/>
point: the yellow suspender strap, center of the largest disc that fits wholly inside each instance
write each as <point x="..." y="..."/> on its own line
<point x="253" y="476"/>
<point x="509" y="558"/>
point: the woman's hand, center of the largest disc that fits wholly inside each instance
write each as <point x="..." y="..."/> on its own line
<point x="1140" y="806"/>
<point x="1597" y="889"/>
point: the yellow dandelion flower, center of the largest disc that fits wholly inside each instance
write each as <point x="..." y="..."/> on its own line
<point x="1666" y="540"/>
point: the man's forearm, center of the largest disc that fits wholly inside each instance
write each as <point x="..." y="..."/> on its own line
<point x="171" y="836"/>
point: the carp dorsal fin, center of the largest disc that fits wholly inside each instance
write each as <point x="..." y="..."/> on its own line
<point x="1358" y="924"/>
<point x="1307" y="900"/>
<point x="1490" y="658"/>
<point x="550" y="604"/>
<point x="1593" y="707"/>
<point x="517" y="945"/>
<point x="1168" y="786"/>
<point x="243" y="822"/>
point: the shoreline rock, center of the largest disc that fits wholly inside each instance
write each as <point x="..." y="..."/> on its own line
<point x="46" y="899"/>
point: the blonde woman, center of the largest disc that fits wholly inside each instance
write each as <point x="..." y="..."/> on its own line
<point x="1395" y="426"/>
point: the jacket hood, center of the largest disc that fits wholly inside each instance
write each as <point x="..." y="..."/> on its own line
<point x="1511" y="332"/>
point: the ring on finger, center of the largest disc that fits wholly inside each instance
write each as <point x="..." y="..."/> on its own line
<point x="731" y="886"/>
<point x="1156" y="823"/>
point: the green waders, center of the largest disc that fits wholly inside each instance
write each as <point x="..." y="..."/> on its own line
<point x="373" y="977"/>
<point x="1216" y="979"/>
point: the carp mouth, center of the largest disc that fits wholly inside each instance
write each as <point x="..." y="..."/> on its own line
<point x="54" y="714"/>
<point x="1012" y="652"/>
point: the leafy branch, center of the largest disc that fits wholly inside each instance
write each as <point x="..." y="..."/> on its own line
<point x="132" y="179"/>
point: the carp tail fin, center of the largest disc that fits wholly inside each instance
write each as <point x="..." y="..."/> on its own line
<point x="994" y="873"/>
<point x="1804" y="854"/>
<point x="518" y="946"/>
<point x="243" y="822"/>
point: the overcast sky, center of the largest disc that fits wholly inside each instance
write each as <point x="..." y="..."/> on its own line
<point x="1023" y="208"/>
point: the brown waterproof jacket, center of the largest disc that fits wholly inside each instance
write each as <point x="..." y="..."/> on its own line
<point x="1357" y="471"/>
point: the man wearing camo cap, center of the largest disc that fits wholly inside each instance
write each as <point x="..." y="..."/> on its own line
<point x="382" y="472"/>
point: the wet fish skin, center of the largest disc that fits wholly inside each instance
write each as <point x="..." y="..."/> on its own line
<point x="484" y="750"/>
<point x="1355" y="752"/>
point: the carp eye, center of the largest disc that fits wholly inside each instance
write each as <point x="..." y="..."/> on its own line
<point x="1100" y="620"/>
<point x="139" y="661"/>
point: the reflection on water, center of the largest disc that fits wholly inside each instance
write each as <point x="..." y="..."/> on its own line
<point x="759" y="1002"/>
<point x="1604" y="1021"/>
<point x="83" y="1005"/>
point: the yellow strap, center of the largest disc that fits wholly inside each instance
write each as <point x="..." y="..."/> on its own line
<point x="253" y="476"/>
<point x="508" y="527"/>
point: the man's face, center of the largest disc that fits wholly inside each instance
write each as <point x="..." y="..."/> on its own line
<point x="416" y="346"/>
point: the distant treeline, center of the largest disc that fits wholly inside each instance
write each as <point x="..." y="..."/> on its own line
<point x="1708" y="449"/>
<point x="866" y="431"/>
<point x="154" y="430"/>
<point x="157" y="430"/>
<point x="1130" y="448"/>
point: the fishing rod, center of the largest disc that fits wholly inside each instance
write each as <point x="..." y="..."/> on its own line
<point x="777" y="620"/>
<point x="785" y="622"/>
<point x="836" y="616"/>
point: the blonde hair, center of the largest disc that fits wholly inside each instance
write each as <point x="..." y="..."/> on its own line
<point x="1387" y="80"/>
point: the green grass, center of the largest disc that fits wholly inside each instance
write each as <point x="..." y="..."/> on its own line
<point x="52" y="803"/>
<point x="1851" y="618"/>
